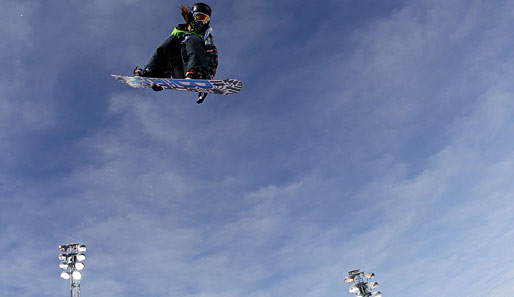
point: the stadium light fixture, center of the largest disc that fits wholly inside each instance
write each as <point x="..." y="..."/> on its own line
<point x="373" y="285"/>
<point x="76" y="275"/>
<point x="354" y="289"/>
<point x="72" y="258"/>
<point x="65" y="275"/>
<point x="361" y="287"/>
<point x="79" y="266"/>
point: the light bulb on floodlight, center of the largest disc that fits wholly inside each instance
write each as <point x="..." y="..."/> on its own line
<point x="373" y="285"/>
<point x="79" y="266"/>
<point x="376" y="294"/>
<point x="76" y="275"/>
<point x="65" y="275"/>
<point x="82" y="248"/>
<point x="63" y="265"/>
<point x="348" y="280"/>
<point x="369" y="276"/>
<point x="354" y="289"/>
<point x="62" y="257"/>
<point x="81" y="257"/>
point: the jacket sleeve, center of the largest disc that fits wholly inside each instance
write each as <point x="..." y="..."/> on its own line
<point x="212" y="56"/>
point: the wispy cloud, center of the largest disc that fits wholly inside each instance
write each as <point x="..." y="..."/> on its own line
<point x="392" y="153"/>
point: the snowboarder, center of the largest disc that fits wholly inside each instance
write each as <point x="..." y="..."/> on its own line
<point x="189" y="52"/>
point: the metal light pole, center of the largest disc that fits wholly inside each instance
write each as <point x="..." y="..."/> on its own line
<point x="72" y="259"/>
<point x="361" y="287"/>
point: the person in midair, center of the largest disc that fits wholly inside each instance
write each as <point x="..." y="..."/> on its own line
<point x="189" y="52"/>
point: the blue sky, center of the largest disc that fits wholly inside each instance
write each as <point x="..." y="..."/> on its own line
<point x="369" y="134"/>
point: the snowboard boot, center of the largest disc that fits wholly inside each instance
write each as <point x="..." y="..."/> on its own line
<point x="139" y="72"/>
<point x="145" y="72"/>
<point x="196" y="73"/>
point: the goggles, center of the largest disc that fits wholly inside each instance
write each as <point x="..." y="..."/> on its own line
<point x="200" y="16"/>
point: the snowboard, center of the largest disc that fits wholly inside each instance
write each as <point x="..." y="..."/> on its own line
<point x="228" y="86"/>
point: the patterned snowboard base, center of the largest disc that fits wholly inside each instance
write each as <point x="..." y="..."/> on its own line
<point x="216" y="86"/>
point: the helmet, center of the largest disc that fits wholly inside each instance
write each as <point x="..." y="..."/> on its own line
<point x="200" y="15"/>
<point x="201" y="7"/>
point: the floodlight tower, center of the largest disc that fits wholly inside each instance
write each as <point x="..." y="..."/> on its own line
<point x="72" y="262"/>
<point x="361" y="287"/>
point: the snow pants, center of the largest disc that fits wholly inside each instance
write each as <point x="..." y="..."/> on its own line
<point x="177" y="55"/>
